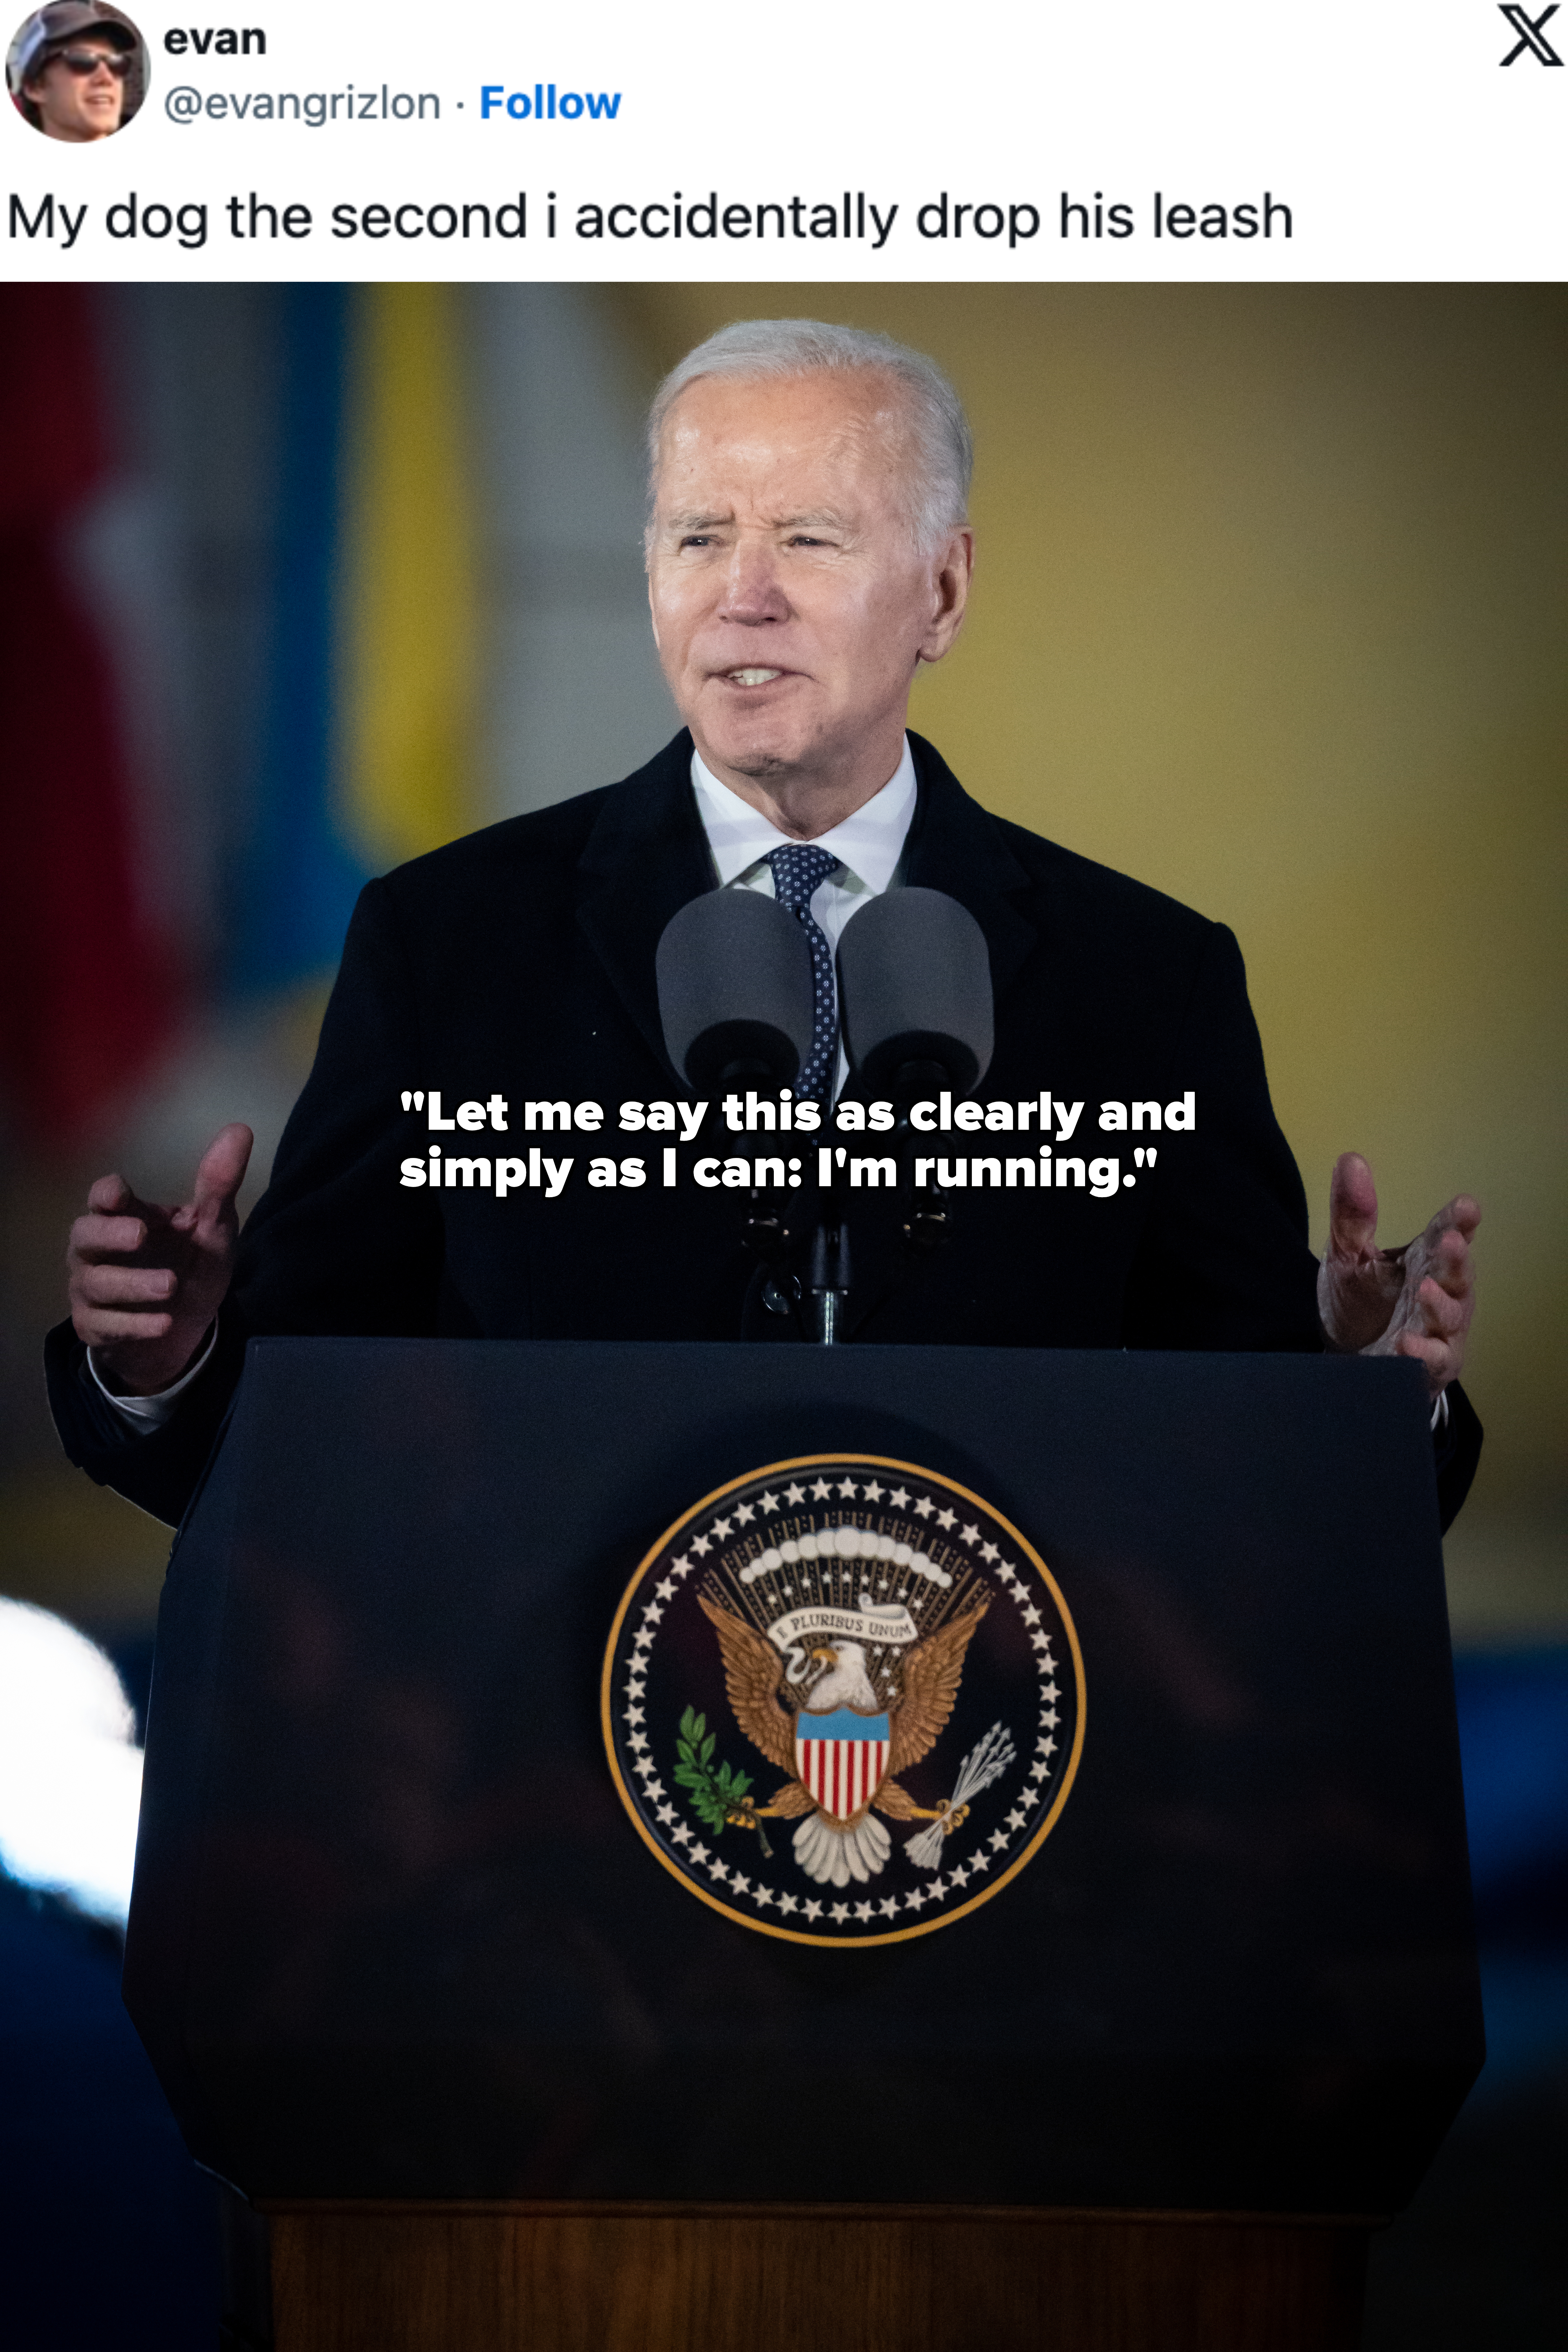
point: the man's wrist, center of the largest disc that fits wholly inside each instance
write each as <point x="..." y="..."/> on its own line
<point x="146" y="1413"/>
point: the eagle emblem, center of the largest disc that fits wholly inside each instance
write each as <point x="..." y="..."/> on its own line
<point x="845" y="1740"/>
<point x="843" y="1700"/>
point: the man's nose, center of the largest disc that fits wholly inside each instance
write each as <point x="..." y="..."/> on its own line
<point x="753" y="590"/>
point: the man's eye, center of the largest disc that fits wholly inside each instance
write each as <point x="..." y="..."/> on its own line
<point x="697" y="538"/>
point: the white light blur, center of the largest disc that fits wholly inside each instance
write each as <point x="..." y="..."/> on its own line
<point x="70" y="1775"/>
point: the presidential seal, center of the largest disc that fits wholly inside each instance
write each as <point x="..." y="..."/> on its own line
<point x="843" y="1700"/>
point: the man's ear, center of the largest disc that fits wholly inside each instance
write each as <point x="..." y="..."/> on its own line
<point x="951" y="573"/>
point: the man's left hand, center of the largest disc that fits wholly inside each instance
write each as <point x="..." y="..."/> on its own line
<point x="1415" y="1301"/>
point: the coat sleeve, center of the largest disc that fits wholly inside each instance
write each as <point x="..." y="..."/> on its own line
<point x="1457" y="1452"/>
<point x="1224" y="1260"/>
<point x="334" y="1246"/>
<point x="158" y="1470"/>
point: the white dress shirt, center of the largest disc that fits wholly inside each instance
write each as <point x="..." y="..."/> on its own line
<point x="868" y="845"/>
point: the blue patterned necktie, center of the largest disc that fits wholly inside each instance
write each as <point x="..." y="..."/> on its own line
<point x="798" y="873"/>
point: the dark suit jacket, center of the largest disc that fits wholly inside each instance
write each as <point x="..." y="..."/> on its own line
<point x="520" y="961"/>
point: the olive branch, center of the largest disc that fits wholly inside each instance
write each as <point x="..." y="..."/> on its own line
<point x="717" y="1795"/>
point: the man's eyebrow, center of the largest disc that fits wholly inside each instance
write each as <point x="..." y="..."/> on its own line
<point x="823" y="517"/>
<point x="699" y="521"/>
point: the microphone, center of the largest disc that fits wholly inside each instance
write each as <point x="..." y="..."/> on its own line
<point x="735" y="995"/>
<point x="914" y="988"/>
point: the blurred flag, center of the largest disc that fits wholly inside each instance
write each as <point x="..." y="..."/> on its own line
<point x="410" y="608"/>
<point x="299" y="877"/>
<point x="87" y="975"/>
<point x="368" y="754"/>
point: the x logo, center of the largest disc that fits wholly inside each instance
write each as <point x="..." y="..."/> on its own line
<point x="1531" y="36"/>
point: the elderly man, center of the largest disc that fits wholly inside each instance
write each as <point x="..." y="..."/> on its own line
<point x="807" y="549"/>
<point x="71" y="66"/>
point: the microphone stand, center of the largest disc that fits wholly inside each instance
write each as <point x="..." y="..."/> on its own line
<point x="828" y="1282"/>
<point x="764" y="1232"/>
<point x="930" y="1223"/>
<point x="768" y="1237"/>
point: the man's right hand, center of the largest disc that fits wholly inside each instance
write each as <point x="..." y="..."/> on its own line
<point x="146" y="1281"/>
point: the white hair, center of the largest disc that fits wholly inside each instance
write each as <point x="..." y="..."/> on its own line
<point x="752" y="349"/>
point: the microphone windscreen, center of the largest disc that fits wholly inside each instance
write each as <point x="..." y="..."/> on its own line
<point x="735" y="993"/>
<point x="914" y="985"/>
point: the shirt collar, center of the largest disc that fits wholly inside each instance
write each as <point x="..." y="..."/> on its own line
<point x="870" y="843"/>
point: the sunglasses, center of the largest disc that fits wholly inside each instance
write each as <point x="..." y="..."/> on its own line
<point x="87" y="62"/>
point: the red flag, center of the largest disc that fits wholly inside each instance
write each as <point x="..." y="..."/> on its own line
<point x="86" y="981"/>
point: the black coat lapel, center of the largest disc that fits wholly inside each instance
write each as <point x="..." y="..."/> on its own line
<point x="645" y="858"/>
<point x="956" y="846"/>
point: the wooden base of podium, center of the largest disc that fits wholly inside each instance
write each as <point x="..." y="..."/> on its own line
<point x="649" y="2278"/>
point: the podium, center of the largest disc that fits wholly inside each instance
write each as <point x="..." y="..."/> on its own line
<point x="434" y="1985"/>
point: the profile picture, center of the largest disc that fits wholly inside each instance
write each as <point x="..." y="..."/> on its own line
<point x="76" y="71"/>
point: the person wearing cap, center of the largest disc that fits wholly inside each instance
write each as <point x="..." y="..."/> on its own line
<point x="70" y="70"/>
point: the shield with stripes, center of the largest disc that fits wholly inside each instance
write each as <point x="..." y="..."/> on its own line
<point x="842" y="1759"/>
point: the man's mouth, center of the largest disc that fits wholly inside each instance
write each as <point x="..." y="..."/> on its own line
<point x="752" y="676"/>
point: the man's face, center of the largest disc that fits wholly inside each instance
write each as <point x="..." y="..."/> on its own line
<point x="790" y="604"/>
<point x="78" y="106"/>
